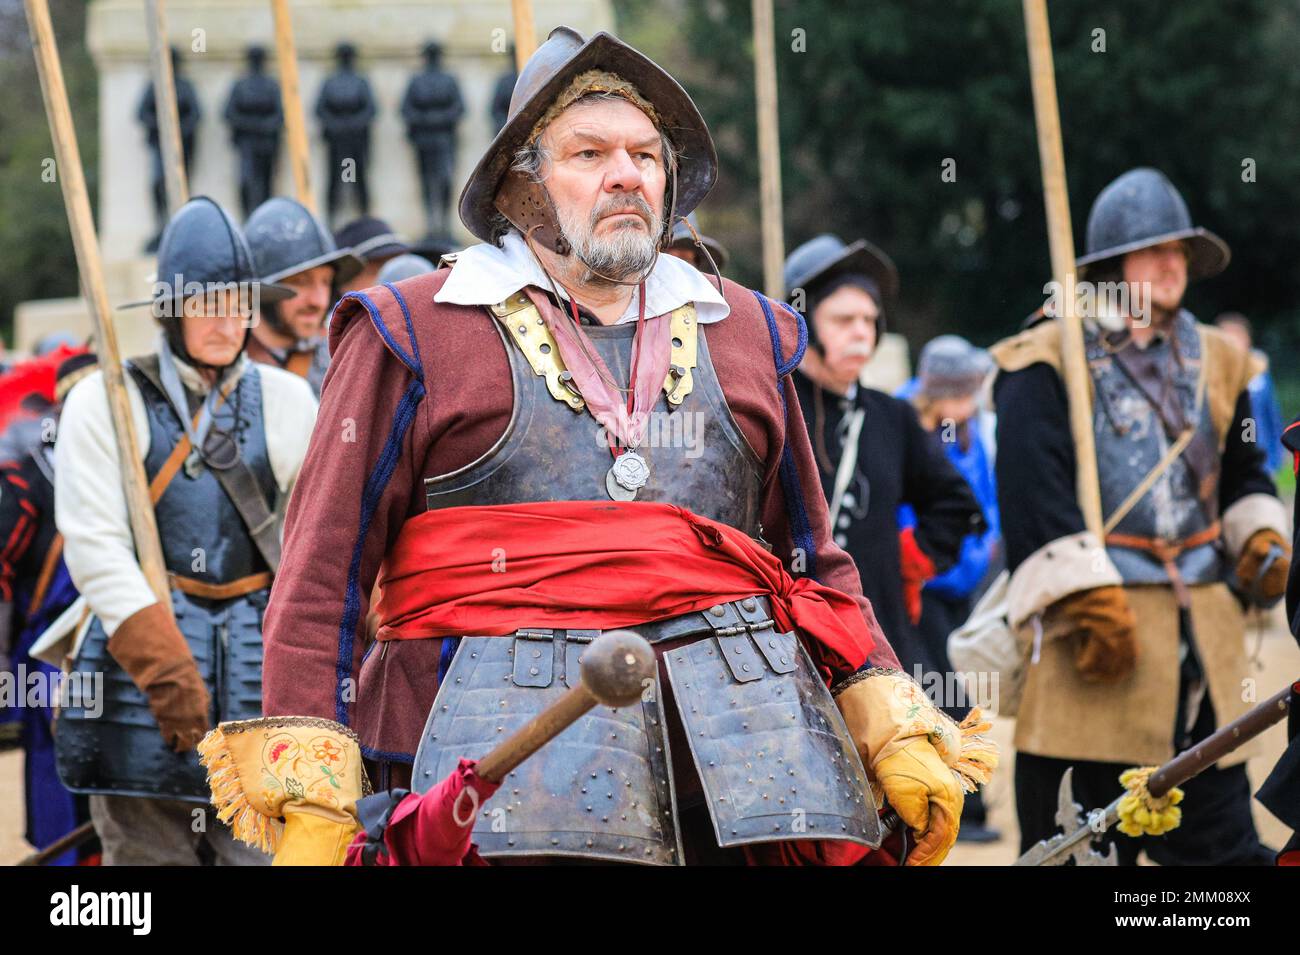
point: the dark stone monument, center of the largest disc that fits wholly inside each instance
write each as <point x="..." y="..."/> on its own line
<point x="346" y="108"/>
<point x="255" y="117"/>
<point x="431" y="108"/>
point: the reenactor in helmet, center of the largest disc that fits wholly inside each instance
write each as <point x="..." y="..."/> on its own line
<point x="222" y="440"/>
<point x="1138" y="637"/>
<point x="291" y="247"/>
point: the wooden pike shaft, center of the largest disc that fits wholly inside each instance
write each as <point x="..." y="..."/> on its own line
<point x="525" y="32"/>
<point x="769" y="148"/>
<point x="82" y="225"/>
<point x="165" y="109"/>
<point x="1060" y="235"/>
<point x="295" y="122"/>
<point x="1222" y="742"/>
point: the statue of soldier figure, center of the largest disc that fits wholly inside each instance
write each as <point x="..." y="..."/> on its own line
<point x="505" y="88"/>
<point x="255" y="116"/>
<point x="189" y="111"/>
<point x="346" y="108"/>
<point x="431" y="108"/>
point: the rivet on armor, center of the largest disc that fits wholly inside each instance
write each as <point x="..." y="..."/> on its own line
<point x="533" y="671"/>
<point x="748" y="603"/>
<point x="745" y="667"/>
<point x="555" y="842"/>
<point x="523" y="329"/>
<point x="428" y="772"/>
<point x="718" y="610"/>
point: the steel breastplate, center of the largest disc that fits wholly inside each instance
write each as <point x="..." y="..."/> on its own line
<point x="203" y="536"/>
<point x="756" y="737"/>
<point x="552" y="451"/>
<point x="110" y="743"/>
<point x="1131" y="441"/>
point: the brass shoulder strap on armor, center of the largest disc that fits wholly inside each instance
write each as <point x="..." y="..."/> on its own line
<point x="528" y="330"/>
<point x="684" y="329"/>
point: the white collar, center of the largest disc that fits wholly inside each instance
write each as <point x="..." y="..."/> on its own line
<point x="486" y="274"/>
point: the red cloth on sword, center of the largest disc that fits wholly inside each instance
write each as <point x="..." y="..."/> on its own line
<point x="434" y="827"/>
<point x="491" y="570"/>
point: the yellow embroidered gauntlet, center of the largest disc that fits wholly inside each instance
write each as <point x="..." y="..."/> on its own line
<point x="920" y="759"/>
<point x="288" y="785"/>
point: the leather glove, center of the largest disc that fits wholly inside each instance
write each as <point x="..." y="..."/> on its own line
<point x="1102" y="627"/>
<point x="304" y="778"/>
<point x="908" y="747"/>
<point x="1273" y="584"/>
<point x="915" y="568"/>
<point x="151" y="649"/>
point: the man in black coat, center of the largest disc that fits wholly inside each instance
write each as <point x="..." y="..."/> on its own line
<point x="872" y="452"/>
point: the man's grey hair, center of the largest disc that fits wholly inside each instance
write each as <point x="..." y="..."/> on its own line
<point x="533" y="159"/>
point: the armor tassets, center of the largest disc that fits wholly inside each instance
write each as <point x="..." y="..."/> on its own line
<point x="110" y="743"/>
<point x="1178" y="515"/>
<point x="738" y="719"/>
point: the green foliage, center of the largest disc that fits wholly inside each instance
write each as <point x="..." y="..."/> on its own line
<point x="36" y="254"/>
<point x="886" y="91"/>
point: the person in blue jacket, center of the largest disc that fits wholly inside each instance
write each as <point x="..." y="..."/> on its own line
<point x="1263" y="399"/>
<point x="945" y="393"/>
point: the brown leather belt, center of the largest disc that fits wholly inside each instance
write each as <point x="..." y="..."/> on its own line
<point x="235" y="588"/>
<point x="1167" y="551"/>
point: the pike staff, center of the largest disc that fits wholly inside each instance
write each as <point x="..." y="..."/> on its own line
<point x="1060" y="236"/>
<point x="72" y="180"/>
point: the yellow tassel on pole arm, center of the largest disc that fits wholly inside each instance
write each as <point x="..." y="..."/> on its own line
<point x="1140" y="813"/>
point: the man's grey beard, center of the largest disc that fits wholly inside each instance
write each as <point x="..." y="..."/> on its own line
<point x="628" y="251"/>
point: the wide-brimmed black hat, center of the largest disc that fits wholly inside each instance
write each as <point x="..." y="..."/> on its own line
<point x="203" y="247"/>
<point x="370" y="238"/>
<point x="548" y="73"/>
<point x="826" y="256"/>
<point x="1141" y="209"/>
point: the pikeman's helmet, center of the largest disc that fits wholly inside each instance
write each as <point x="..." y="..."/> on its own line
<point x="202" y="251"/>
<point x="1141" y="209"/>
<point x="610" y="66"/>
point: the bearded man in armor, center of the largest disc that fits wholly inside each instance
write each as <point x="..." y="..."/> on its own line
<point x="566" y="431"/>
<point x="292" y="247"/>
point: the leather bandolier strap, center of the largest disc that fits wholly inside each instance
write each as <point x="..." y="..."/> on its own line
<point x="51" y="560"/>
<point x="298" y="363"/>
<point x="238" y="481"/>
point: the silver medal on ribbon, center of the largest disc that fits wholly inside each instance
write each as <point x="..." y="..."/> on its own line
<point x="626" y="476"/>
